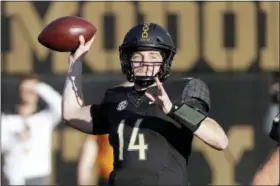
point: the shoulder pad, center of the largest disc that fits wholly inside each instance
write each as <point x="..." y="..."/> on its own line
<point x="196" y="88"/>
<point x="111" y="90"/>
<point x="275" y="130"/>
<point x="109" y="94"/>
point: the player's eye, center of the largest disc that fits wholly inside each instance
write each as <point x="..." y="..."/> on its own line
<point x="155" y="57"/>
<point x="136" y="57"/>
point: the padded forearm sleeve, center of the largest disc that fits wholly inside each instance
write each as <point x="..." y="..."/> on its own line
<point x="187" y="116"/>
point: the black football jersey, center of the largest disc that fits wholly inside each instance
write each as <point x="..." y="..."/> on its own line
<point x="275" y="130"/>
<point x="149" y="147"/>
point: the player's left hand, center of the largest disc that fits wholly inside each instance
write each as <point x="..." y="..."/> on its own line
<point x="161" y="99"/>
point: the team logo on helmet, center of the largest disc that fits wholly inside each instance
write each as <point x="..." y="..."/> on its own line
<point x="122" y="105"/>
<point x="145" y="32"/>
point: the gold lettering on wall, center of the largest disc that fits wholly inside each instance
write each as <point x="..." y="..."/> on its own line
<point x="26" y="24"/>
<point x="97" y="56"/>
<point x="245" y="50"/>
<point x="154" y="12"/>
<point x="102" y="60"/>
<point x="18" y="59"/>
<point x="25" y="28"/>
<point x="188" y="34"/>
<point x="214" y="52"/>
<point x="123" y="23"/>
<point x="241" y="138"/>
<point x="243" y="54"/>
<point x="269" y="58"/>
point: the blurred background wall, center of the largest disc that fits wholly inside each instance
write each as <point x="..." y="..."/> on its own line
<point x="233" y="46"/>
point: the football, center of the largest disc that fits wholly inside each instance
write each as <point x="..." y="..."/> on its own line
<point x="62" y="34"/>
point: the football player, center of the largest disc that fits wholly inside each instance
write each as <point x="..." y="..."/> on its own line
<point x="151" y="135"/>
<point x="268" y="174"/>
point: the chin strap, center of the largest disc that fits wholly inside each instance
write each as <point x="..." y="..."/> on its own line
<point x="144" y="81"/>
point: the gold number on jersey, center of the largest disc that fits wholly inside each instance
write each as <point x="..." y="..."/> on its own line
<point x="141" y="147"/>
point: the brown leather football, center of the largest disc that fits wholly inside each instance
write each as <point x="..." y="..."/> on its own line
<point x="62" y="34"/>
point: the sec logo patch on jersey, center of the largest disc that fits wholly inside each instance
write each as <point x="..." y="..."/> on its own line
<point x="122" y="105"/>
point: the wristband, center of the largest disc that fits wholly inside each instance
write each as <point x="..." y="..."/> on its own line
<point x="187" y="116"/>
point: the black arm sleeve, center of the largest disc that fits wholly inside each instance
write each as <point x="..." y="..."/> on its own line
<point x="99" y="120"/>
<point x="99" y="116"/>
<point x="275" y="130"/>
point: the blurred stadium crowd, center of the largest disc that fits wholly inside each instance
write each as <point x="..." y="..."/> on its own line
<point x="36" y="147"/>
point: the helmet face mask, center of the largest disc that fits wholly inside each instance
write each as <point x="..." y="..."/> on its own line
<point x="146" y="63"/>
<point x="147" y="38"/>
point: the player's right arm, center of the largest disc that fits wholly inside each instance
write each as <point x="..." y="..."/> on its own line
<point x="74" y="113"/>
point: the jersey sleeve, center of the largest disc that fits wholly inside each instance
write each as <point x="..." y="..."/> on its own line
<point x="197" y="94"/>
<point x="275" y="130"/>
<point x="99" y="119"/>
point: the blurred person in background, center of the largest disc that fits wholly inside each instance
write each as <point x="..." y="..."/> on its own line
<point x="96" y="157"/>
<point x="4" y="180"/>
<point x="26" y="135"/>
<point x="268" y="174"/>
<point x="274" y="101"/>
<point x="13" y="137"/>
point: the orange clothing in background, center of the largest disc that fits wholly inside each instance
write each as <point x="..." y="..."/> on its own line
<point x="105" y="156"/>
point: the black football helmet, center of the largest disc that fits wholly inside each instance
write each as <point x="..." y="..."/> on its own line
<point x="147" y="36"/>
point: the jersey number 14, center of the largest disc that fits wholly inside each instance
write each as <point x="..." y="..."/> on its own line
<point x="141" y="147"/>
